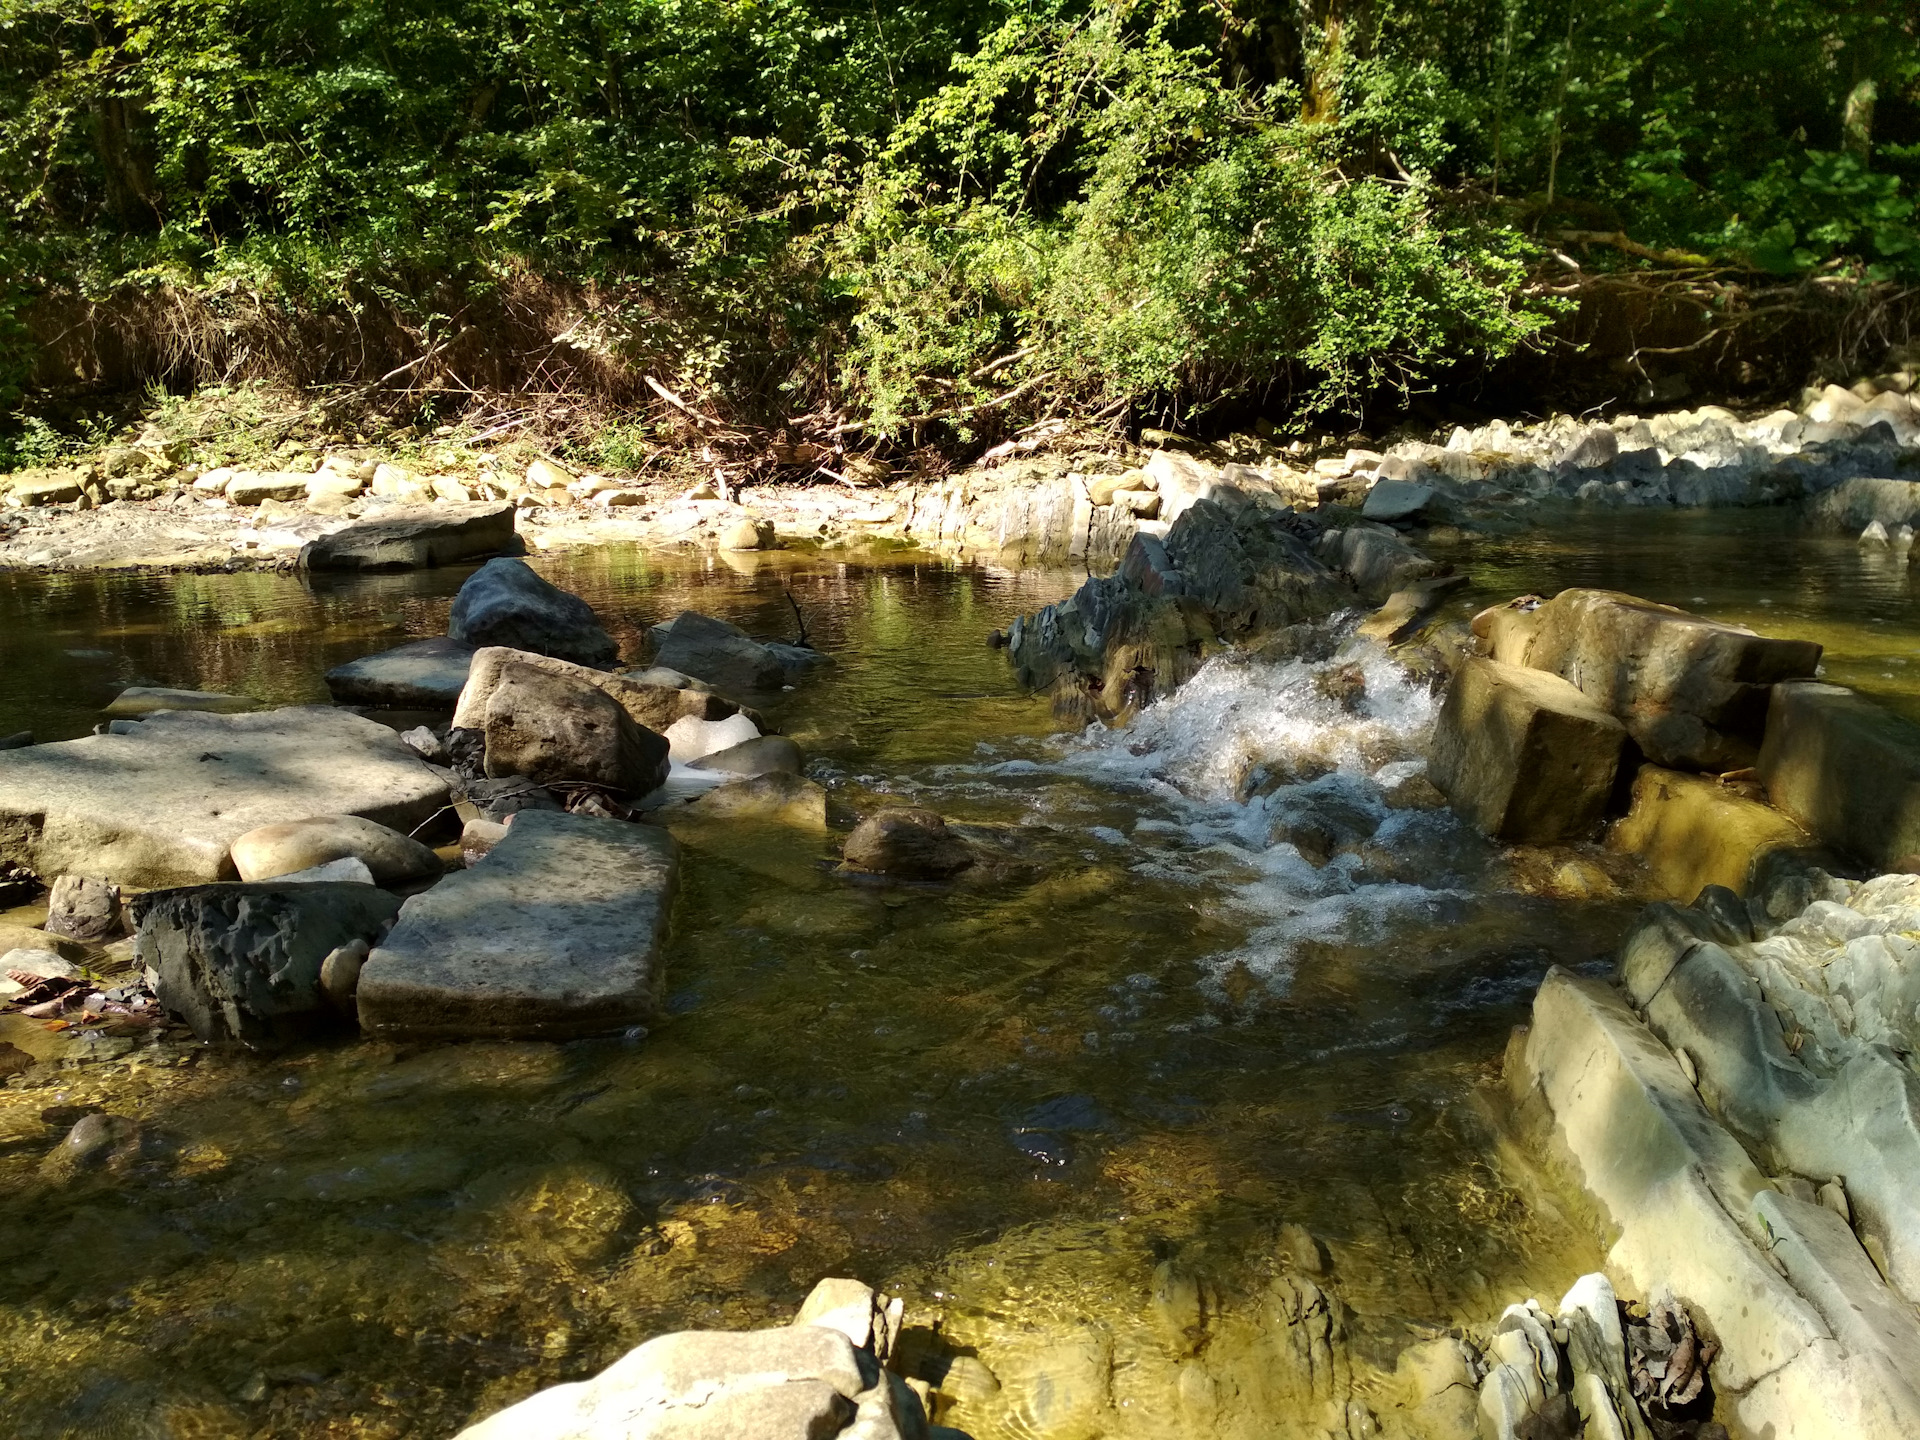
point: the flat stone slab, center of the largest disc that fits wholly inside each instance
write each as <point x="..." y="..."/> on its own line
<point x="424" y="675"/>
<point x="1395" y="500"/>
<point x="416" y="539"/>
<point x="162" y="805"/>
<point x="142" y="700"/>
<point x="556" y="933"/>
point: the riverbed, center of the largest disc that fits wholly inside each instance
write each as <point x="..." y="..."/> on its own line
<point x="1229" y="974"/>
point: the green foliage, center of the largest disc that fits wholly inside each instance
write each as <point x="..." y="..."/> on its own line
<point x="1094" y="200"/>
<point x="957" y="210"/>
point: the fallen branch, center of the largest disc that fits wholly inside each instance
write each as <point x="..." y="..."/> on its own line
<point x="1619" y="241"/>
<point x="675" y="401"/>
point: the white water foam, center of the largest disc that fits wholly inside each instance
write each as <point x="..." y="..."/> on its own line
<point x="1269" y="782"/>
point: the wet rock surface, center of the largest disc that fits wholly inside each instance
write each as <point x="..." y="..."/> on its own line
<point x="907" y="844"/>
<point x="1231" y="568"/>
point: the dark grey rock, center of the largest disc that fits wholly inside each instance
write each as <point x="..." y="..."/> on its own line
<point x="505" y="603"/>
<point x="243" y="962"/>
<point x="423" y="675"/>
<point x="723" y="655"/>
<point x="416" y="539"/>
<point x="908" y="844"/>
<point x="764" y="756"/>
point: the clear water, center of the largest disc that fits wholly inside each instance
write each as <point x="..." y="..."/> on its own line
<point x="1165" y="1022"/>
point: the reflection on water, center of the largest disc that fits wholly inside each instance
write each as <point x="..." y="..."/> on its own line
<point x="1234" y="973"/>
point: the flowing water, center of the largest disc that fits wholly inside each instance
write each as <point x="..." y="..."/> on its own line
<point x="1226" y="974"/>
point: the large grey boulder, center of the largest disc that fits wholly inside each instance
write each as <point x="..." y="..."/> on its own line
<point x="1812" y="1341"/>
<point x="243" y="962"/>
<point x="723" y="655"/>
<point x="653" y="699"/>
<point x="415" y="539"/>
<point x="163" y="804"/>
<point x="1229" y="569"/>
<point x="295" y="845"/>
<point x="1846" y="769"/>
<point x="1795" y="1037"/>
<point x="1378" y="561"/>
<point x="1692" y="692"/>
<point x="549" y="722"/>
<point x="1391" y="500"/>
<point x="556" y="933"/>
<point x="420" y="675"/>
<point x="505" y="603"/>
<point x="817" y="1378"/>
<point x="1523" y="754"/>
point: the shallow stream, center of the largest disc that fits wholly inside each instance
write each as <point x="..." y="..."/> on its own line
<point x="1227" y="974"/>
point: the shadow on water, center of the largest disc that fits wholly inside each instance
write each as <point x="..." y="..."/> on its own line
<point x="1172" y="1027"/>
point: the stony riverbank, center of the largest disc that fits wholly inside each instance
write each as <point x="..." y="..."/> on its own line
<point x="151" y="507"/>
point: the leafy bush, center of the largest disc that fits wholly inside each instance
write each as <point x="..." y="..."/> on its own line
<point x="954" y="211"/>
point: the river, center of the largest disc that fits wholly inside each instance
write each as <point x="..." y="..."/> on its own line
<point x="1229" y="974"/>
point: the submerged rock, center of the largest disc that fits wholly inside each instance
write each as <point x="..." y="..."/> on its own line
<point x="143" y="700"/>
<point x="908" y="844"/>
<point x="556" y="933"/>
<point x="778" y="796"/>
<point x="1693" y="831"/>
<point x="506" y="603"/>
<point x="243" y="962"/>
<point x="723" y="655"/>
<point x="422" y="675"/>
<point x="416" y="539"/>
<point x="163" y="806"/>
